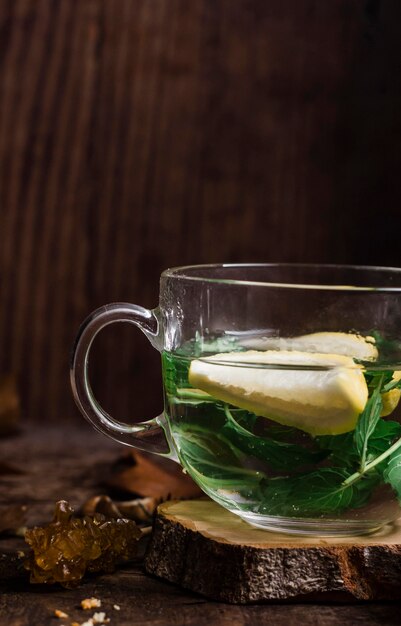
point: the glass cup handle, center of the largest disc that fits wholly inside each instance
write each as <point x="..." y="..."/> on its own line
<point x="151" y="435"/>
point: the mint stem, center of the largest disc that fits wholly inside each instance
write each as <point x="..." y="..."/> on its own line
<point x="374" y="410"/>
<point x="369" y="466"/>
<point x="234" y="422"/>
<point x="195" y="394"/>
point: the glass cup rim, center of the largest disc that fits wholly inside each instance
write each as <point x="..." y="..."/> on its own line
<point x="359" y="364"/>
<point x="183" y="273"/>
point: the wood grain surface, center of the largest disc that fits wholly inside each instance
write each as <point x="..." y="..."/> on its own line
<point x="202" y="547"/>
<point x="140" y="134"/>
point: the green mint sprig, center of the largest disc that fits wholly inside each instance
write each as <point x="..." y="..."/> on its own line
<point x="370" y="425"/>
<point x="374" y="449"/>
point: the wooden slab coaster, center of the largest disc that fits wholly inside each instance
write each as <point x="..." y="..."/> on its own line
<point x="206" y="549"/>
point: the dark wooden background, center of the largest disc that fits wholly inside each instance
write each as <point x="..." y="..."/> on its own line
<point x="141" y="134"/>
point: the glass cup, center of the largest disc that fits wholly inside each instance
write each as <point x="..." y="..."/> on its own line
<point x="281" y="385"/>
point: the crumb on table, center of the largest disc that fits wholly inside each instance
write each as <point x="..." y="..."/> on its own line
<point x="100" y="618"/>
<point x="91" y="603"/>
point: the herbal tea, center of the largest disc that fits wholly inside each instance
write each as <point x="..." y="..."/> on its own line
<point x="298" y="428"/>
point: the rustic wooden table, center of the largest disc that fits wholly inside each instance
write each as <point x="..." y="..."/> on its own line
<point x="70" y="465"/>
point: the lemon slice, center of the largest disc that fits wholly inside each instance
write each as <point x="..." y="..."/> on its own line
<point x="347" y="344"/>
<point x="319" y="402"/>
<point x="391" y="398"/>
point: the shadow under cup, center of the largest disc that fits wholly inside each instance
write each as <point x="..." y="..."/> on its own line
<point x="282" y="387"/>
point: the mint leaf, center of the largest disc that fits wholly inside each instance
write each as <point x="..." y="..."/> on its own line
<point x="317" y="493"/>
<point x="175" y="372"/>
<point x="384" y="434"/>
<point x="340" y="448"/>
<point x="368" y="421"/>
<point x="214" y="462"/>
<point x="392" y="473"/>
<point x="279" y="455"/>
<point x="322" y="491"/>
<point x="281" y="432"/>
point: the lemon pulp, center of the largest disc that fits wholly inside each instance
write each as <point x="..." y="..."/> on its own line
<point x="273" y="384"/>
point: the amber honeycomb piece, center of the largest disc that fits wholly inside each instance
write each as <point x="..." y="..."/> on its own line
<point x="67" y="548"/>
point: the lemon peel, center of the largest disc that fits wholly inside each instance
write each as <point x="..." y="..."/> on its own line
<point x="346" y="344"/>
<point x="391" y="398"/>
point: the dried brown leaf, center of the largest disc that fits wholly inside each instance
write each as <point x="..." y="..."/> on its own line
<point x="154" y="478"/>
<point x="101" y="504"/>
<point x="139" y="510"/>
